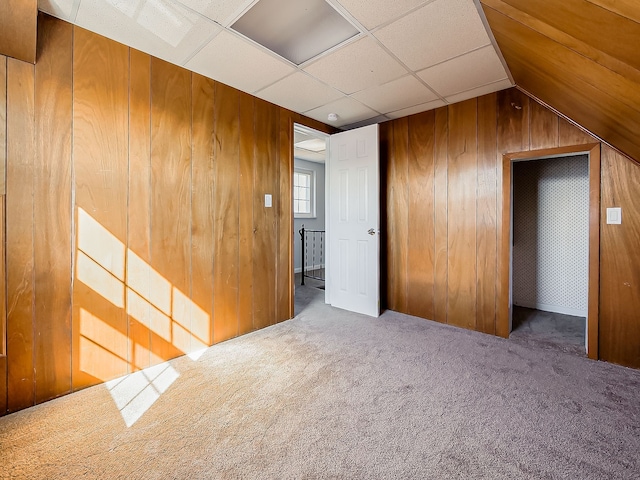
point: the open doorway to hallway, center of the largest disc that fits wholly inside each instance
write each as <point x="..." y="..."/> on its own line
<point x="309" y="206"/>
<point x="550" y="252"/>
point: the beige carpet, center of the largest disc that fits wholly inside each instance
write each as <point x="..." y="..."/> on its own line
<point x="337" y="395"/>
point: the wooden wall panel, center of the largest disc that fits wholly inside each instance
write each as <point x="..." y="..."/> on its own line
<point x="462" y="196"/>
<point x="226" y="212"/>
<point x="245" y="205"/>
<point x="3" y="277"/>
<point x="18" y="29"/>
<point x="620" y="262"/>
<point x="421" y="228"/>
<point x="202" y="192"/>
<point x="171" y="201"/>
<point x="441" y="215"/>
<point x="20" y="234"/>
<point x="100" y="162"/>
<point x="569" y="134"/>
<point x="543" y="127"/>
<point x="52" y="218"/>
<point x="284" y="200"/>
<point x="486" y="220"/>
<point x="165" y="168"/>
<point x="264" y="218"/>
<point x="139" y="308"/>
<point x="397" y="224"/>
<point x="3" y="123"/>
<point x="584" y="65"/>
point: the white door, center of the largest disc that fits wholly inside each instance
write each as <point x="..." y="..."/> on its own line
<point x="354" y="221"/>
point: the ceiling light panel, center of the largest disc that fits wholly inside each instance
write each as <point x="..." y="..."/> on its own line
<point x="313" y="145"/>
<point x="236" y="62"/>
<point x="161" y="28"/>
<point x="297" y="30"/>
<point x="434" y="33"/>
<point x="299" y="92"/>
<point x="465" y="72"/>
<point x="357" y="66"/>
<point x="397" y="94"/>
<point x="372" y="13"/>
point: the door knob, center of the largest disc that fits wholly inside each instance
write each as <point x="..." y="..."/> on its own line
<point x="371" y="231"/>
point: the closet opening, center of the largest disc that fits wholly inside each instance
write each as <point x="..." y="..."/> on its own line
<point x="550" y="246"/>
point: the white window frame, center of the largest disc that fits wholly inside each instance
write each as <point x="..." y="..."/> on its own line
<point x="312" y="193"/>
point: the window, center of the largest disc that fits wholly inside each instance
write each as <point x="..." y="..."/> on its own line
<point x="304" y="193"/>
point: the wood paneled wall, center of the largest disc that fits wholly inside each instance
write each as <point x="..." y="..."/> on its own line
<point x="580" y="57"/>
<point x="442" y="178"/>
<point x="135" y="222"/>
<point x="18" y="29"/>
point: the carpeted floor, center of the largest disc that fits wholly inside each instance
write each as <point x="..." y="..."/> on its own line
<point x="549" y="330"/>
<point x="332" y="394"/>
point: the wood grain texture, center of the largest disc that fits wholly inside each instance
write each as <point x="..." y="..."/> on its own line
<point x="20" y="235"/>
<point x="593" y="308"/>
<point x="569" y="134"/>
<point x="202" y="191"/>
<point x="421" y="228"/>
<point x="441" y="214"/>
<point x="3" y="124"/>
<point x="543" y="127"/>
<point x="462" y="176"/>
<point x="171" y="199"/>
<point x="486" y="219"/>
<point x="398" y="215"/>
<point x="284" y="264"/>
<point x="600" y="28"/>
<point x="3" y="311"/>
<point x="18" y="29"/>
<point x="264" y="219"/>
<point x="100" y="163"/>
<point x="568" y="60"/>
<point x="620" y="262"/>
<point x="139" y="210"/>
<point x="52" y="218"/>
<point x="625" y="8"/>
<point x="226" y="212"/>
<point x="245" y="205"/>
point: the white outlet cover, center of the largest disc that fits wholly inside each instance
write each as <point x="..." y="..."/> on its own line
<point x="268" y="202"/>
<point x="614" y="216"/>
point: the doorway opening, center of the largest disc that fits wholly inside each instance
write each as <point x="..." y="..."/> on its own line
<point x="550" y="252"/>
<point x="550" y="248"/>
<point x="309" y="214"/>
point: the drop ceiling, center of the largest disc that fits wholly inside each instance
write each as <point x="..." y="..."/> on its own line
<point x="409" y="55"/>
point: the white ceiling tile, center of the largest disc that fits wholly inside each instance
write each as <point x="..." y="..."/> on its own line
<point x="436" y="32"/>
<point x="348" y="111"/>
<point x="465" y="72"/>
<point x="159" y="27"/>
<point x="222" y="11"/>
<point x="367" y="122"/>
<point x="357" y="66"/>
<point x="299" y="92"/>
<point x="416" y="109"/>
<point x="478" y="92"/>
<point x="401" y="93"/>
<point x="236" y="62"/>
<point x="372" y="13"/>
<point x="58" y="8"/>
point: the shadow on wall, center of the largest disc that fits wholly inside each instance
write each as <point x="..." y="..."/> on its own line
<point x="161" y="322"/>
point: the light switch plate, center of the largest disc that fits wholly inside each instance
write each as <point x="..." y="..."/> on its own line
<point x="614" y="216"/>
<point x="268" y="202"/>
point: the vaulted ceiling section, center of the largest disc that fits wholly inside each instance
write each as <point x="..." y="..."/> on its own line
<point x="580" y="57"/>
